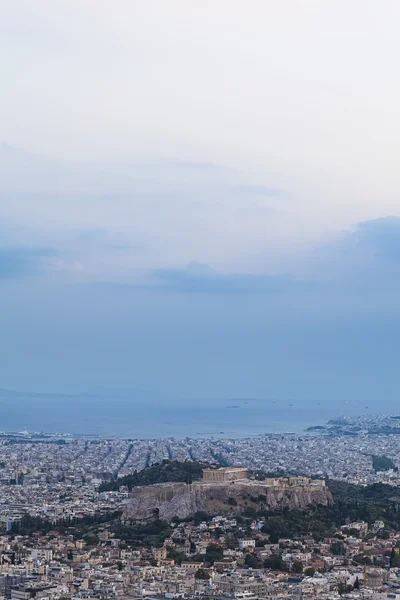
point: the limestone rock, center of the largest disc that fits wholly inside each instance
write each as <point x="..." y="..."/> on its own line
<point x="179" y="499"/>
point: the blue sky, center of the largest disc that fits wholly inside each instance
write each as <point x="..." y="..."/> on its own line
<point x="201" y="198"/>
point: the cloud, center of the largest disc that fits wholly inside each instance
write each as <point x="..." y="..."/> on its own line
<point x="197" y="277"/>
<point x="380" y="236"/>
<point x="356" y="265"/>
<point x="367" y="254"/>
<point x="177" y="210"/>
<point x="24" y="261"/>
<point x="262" y="190"/>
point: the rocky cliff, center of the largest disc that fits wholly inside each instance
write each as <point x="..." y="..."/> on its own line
<point x="179" y="499"/>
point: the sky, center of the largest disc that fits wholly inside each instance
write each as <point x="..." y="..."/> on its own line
<point x="201" y="198"/>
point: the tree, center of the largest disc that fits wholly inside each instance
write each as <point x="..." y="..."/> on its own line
<point x="337" y="549"/>
<point x="252" y="562"/>
<point x="213" y="553"/>
<point x="382" y="463"/>
<point x="250" y="512"/>
<point x="178" y="557"/>
<point x="309" y="571"/>
<point x="394" y="559"/>
<point x="297" y="566"/>
<point x="362" y="560"/>
<point x="357" y="584"/>
<point x="202" y="574"/>
<point x="274" y="562"/>
<point x="342" y="588"/>
<point x="200" y="516"/>
<point x="91" y="539"/>
<point x="175" y="519"/>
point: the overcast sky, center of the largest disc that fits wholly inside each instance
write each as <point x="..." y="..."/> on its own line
<point x="200" y="197"/>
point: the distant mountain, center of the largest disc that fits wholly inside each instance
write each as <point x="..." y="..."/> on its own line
<point x="13" y="394"/>
<point x="95" y="393"/>
<point x="123" y="393"/>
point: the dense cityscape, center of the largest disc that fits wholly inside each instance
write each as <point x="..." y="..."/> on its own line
<point x="68" y="530"/>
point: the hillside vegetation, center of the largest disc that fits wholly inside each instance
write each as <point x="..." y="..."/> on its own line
<point x="165" y="472"/>
<point x="382" y="463"/>
<point x="351" y="503"/>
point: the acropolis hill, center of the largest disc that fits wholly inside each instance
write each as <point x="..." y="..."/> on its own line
<point x="224" y="491"/>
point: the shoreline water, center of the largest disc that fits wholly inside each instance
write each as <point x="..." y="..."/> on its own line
<point x="122" y="418"/>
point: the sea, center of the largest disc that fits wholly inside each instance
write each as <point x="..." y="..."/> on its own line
<point x="125" y="417"/>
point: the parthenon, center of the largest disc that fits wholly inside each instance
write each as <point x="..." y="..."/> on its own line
<point x="225" y="474"/>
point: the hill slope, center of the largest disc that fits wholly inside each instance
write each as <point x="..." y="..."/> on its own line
<point x="181" y="500"/>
